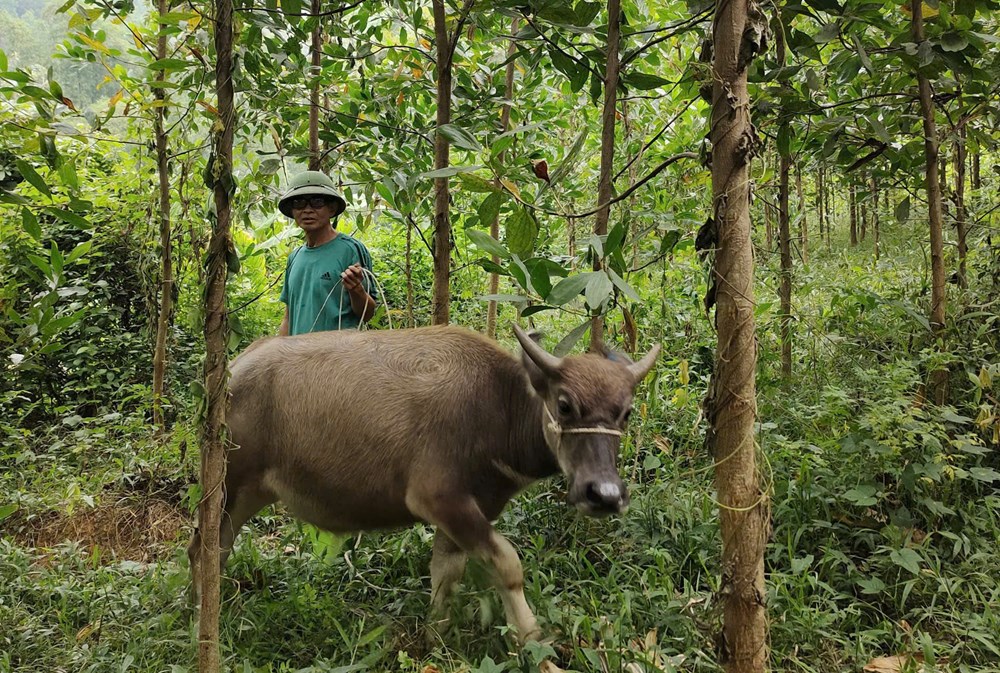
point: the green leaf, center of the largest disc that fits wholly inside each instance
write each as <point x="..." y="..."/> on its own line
<point x="862" y="54"/>
<point x="475" y="183"/>
<point x="447" y="172"/>
<point x="67" y="173"/>
<point x="566" y="344"/>
<point x="78" y="252"/>
<point x="291" y="8"/>
<point x="986" y="474"/>
<point x="880" y="131"/>
<point x="7" y="510"/>
<point x="784" y="140"/>
<point x="903" y="210"/>
<point x="952" y="41"/>
<point x="624" y="287"/>
<point x="170" y="64"/>
<point x="827" y="33"/>
<point x="69" y="217"/>
<point x="862" y="496"/>
<point x="567" y="164"/>
<point x="489" y="209"/>
<point x="598" y="289"/>
<point x="487" y="243"/>
<point x="644" y="81"/>
<point x="30" y="224"/>
<point x="29" y="174"/>
<point x="459" y="137"/>
<point x="536" y="308"/>
<point x="907" y="559"/>
<point x="520" y="232"/>
<point x="568" y="288"/>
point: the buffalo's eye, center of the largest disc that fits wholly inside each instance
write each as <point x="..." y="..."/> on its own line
<point x="565" y="406"/>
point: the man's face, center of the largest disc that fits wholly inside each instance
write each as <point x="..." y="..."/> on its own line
<point x="312" y="213"/>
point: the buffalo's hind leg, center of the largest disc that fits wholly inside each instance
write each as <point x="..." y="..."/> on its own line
<point x="238" y="506"/>
<point x="461" y="519"/>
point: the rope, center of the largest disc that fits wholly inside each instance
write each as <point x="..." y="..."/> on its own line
<point x="340" y="316"/>
<point x="559" y="431"/>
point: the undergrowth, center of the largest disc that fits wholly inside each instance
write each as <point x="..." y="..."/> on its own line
<point x="885" y="513"/>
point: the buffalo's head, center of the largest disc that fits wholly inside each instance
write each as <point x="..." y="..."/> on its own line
<point x="587" y="402"/>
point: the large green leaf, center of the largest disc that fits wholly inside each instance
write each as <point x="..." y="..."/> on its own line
<point x="487" y="243"/>
<point x="599" y="288"/>
<point x="459" y="137"/>
<point x="568" y="288"/>
<point x="644" y="81"/>
<point x="520" y="231"/>
<point x="489" y="209"/>
<point x="32" y="176"/>
<point x="474" y="183"/>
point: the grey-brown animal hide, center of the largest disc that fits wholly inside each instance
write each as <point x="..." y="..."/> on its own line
<point x="380" y="429"/>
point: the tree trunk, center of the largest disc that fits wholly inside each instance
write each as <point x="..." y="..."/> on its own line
<point x="784" y="229"/>
<point x="863" y="207"/>
<point x="819" y="201"/>
<point x="440" y="309"/>
<point x="961" y="226"/>
<point x="939" y="377"/>
<point x="216" y="385"/>
<point x="491" y="309"/>
<point x="317" y="51"/>
<point x="875" y="219"/>
<point x="408" y="271"/>
<point x="607" y="151"/>
<point x="768" y="226"/>
<point x="854" y="215"/>
<point x="166" y="261"/>
<point x="976" y="183"/>
<point x="732" y="399"/>
<point x="803" y="220"/>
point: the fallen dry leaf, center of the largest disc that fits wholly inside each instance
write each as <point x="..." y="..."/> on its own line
<point x="893" y="664"/>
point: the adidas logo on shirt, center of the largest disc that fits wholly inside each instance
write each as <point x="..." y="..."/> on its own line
<point x="326" y="276"/>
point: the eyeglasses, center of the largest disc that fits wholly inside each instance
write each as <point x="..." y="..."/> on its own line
<point x="314" y="202"/>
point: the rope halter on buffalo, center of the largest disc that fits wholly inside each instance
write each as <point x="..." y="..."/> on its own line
<point x="559" y="431"/>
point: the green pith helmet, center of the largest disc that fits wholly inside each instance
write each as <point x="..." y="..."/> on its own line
<point x="311" y="183"/>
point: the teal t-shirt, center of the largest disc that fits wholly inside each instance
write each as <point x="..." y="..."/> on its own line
<point x="315" y="296"/>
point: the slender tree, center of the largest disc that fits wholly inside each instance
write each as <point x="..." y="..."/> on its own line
<point x="316" y="48"/>
<point x="491" y="309"/>
<point x="216" y="386"/>
<point x="803" y="220"/>
<point x="608" y="120"/>
<point x="784" y="232"/>
<point x="875" y="218"/>
<point x="961" y="225"/>
<point x="445" y="45"/>
<point x="939" y="377"/>
<point x="820" y="210"/>
<point x="853" y="196"/>
<point x="166" y="261"/>
<point x="731" y="405"/>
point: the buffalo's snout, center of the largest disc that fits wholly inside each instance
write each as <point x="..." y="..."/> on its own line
<point x="600" y="497"/>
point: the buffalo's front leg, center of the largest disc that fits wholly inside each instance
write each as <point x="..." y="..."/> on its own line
<point x="460" y="518"/>
<point x="447" y="567"/>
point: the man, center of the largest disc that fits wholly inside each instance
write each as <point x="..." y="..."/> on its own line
<point x="326" y="286"/>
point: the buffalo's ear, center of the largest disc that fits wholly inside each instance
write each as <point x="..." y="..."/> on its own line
<point x="541" y="366"/>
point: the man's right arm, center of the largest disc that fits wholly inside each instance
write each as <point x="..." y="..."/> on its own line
<point x="283" y="330"/>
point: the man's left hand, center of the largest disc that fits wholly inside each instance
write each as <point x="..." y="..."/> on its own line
<point x="352" y="277"/>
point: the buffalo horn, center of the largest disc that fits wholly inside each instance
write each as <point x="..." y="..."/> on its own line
<point x="547" y="362"/>
<point x="641" y="368"/>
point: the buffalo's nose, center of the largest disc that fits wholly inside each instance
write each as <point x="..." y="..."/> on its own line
<point x="606" y="496"/>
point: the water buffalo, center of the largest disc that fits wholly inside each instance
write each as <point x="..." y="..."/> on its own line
<point x="380" y="429"/>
